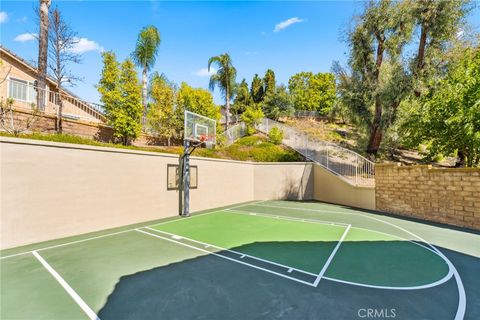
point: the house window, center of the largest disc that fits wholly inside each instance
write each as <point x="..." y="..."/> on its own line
<point x="22" y="90"/>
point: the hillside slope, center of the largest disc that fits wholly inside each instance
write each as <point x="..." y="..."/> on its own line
<point x="349" y="137"/>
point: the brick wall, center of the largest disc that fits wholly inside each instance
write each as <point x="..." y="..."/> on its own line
<point x="45" y="123"/>
<point x="449" y="196"/>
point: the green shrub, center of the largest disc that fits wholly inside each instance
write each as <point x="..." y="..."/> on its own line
<point x="252" y="116"/>
<point x="257" y="148"/>
<point x="275" y="136"/>
<point x="250" y="140"/>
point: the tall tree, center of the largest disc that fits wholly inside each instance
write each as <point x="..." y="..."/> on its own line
<point x="278" y="103"/>
<point x="129" y="116"/>
<point x="42" y="52"/>
<point x="438" y="23"/>
<point x="242" y="98"/>
<point x="269" y="81"/>
<point x="120" y="93"/>
<point x="224" y="78"/>
<point x="62" y="40"/>
<point x="145" y="54"/>
<point x="108" y="86"/>
<point x="161" y="116"/>
<point x="256" y="89"/>
<point x="197" y="100"/>
<point x="447" y="118"/>
<point x="313" y="92"/>
<point x="381" y="73"/>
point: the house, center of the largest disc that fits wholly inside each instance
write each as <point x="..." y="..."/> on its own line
<point x="18" y="81"/>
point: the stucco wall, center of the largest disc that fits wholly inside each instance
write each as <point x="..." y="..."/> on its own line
<point x="52" y="190"/>
<point x="290" y="181"/>
<point x="330" y="188"/>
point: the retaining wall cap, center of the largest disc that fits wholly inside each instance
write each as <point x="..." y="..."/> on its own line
<point x="130" y="151"/>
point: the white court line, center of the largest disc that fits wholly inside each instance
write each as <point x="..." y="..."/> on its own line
<point x="90" y="313"/>
<point x="256" y="203"/>
<point x="462" y="303"/>
<point x="282" y="217"/>
<point x="286" y="217"/>
<point x="206" y="245"/>
<point x="103" y="236"/>
<point x="354" y="213"/>
<point x="66" y="244"/>
<point x="330" y="258"/>
<point x="425" y="286"/>
<point x="227" y="258"/>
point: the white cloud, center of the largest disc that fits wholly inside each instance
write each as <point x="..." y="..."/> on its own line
<point x="22" y="19"/>
<point x="204" y="72"/>
<point x="287" y="23"/>
<point x="25" y="37"/>
<point x="85" y="45"/>
<point x="3" y="17"/>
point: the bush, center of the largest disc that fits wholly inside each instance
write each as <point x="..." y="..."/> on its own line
<point x="257" y="148"/>
<point x="275" y="136"/>
<point x="252" y="116"/>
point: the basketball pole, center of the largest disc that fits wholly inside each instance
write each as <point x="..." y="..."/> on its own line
<point x="186" y="179"/>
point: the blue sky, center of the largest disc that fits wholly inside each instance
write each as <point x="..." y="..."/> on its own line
<point x="287" y="37"/>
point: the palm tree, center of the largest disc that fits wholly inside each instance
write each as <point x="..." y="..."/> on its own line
<point x="144" y="57"/>
<point x="224" y="79"/>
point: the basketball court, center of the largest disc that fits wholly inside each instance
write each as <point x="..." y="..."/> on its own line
<point x="253" y="260"/>
<point x="268" y="259"/>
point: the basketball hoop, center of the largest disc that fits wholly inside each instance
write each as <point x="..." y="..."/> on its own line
<point x="198" y="131"/>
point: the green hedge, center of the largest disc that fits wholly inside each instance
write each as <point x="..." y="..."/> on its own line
<point x="251" y="148"/>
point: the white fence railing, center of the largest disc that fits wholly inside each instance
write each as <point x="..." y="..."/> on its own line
<point x="307" y="114"/>
<point x="347" y="164"/>
<point x="235" y="132"/>
<point x="27" y="93"/>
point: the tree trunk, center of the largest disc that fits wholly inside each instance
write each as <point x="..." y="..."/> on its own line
<point x="42" y="54"/>
<point x="376" y="128"/>
<point x="227" y="111"/>
<point x="420" y="56"/>
<point x="460" y="163"/>
<point x="60" y="115"/>
<point x="421" y="49"/>
<point x="144" y="97"/>
<point x="375" y="131"/>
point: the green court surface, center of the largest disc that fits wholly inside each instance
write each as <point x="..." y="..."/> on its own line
<point x="261" y="260"/>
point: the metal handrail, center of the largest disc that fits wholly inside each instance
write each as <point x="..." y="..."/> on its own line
<point x="235" y="132"/>
<point x="347" y="164"/>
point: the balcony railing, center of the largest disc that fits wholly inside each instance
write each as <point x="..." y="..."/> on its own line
<point x="27" y="93"/>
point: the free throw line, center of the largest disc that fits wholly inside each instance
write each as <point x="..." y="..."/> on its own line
<point x="224" y="257"/>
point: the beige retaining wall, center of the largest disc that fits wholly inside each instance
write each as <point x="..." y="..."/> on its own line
<point x="52" y="190"/>
<point x="330" y="188"/>
<point x="449" y="196"/>
<point x="275" y="181"/>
